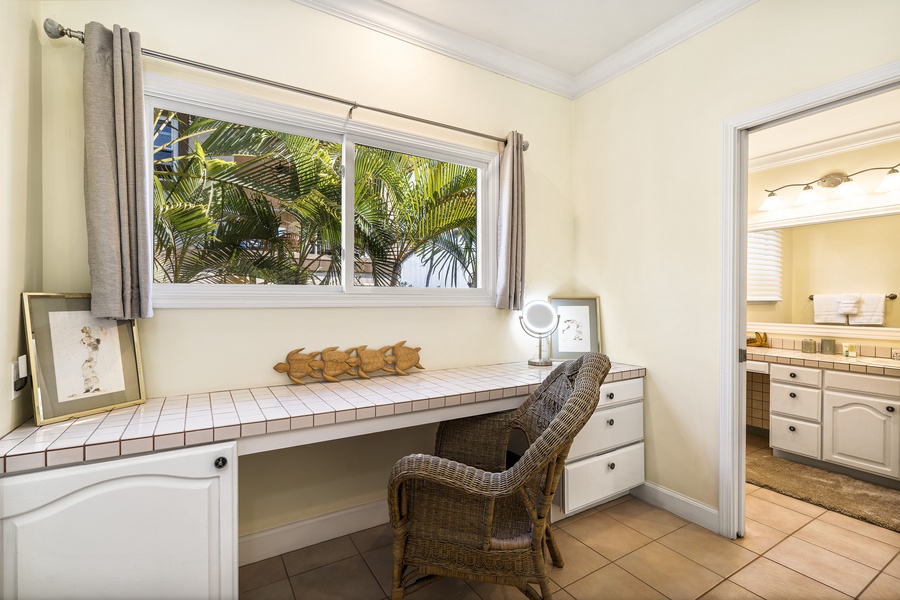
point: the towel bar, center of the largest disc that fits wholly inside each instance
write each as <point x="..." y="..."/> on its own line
<point x="888" y="296"/>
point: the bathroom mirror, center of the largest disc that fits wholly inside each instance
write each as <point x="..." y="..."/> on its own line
<point x="833" y="244"/>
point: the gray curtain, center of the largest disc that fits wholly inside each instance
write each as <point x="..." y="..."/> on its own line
<point x="511" y="225"/>
<point x="115" y="194"/>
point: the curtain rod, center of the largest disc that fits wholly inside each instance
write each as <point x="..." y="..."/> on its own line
<point x="56" y="31"/>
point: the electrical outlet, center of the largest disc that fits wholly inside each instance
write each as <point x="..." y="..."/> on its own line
<point x="13" y="377"/>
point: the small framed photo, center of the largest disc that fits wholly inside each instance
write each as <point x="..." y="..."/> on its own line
<point x="79" y="364"/>
<point x="579" y="327"/>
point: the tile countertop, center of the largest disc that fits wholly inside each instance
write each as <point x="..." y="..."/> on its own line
<point x="267" y="418"/>
<point x="833" y="362"/>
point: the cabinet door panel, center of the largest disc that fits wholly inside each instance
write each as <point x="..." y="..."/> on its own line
<point x="862" y="432"/>
<point x="795" y="401"/>
<point x="797" y="437"/>
<point x="796" y="375"/>
<point x="157" y="526"/>
<point x="609" y="428"/>
<point x="589" y="481"/>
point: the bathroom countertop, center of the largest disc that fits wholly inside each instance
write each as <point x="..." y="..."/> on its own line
<point x="784" y="356"/>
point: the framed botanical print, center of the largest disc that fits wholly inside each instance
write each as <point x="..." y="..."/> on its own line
<point x="79" y="364"/>
<point x="579" y="327"/>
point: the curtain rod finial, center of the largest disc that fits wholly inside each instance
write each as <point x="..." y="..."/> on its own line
<point x="53" y="29"/>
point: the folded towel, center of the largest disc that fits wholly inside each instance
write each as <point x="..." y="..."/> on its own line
<point x="871" y="310"/>
<point x="848" y="304"/>
<point x="825" y="309"/>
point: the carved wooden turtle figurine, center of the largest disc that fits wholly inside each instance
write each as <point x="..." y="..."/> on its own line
<point x="334" y="363"/>
<point x="372" y="360"/>
<point x="404" y="358"/>
<point x="298" y="365"/>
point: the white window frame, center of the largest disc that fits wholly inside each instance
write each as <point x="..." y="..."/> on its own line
<point x="765" y="266"/>
<point x="226" y="105"/>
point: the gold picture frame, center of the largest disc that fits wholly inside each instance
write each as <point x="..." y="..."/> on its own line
<point x="579" y="326"/>
<point x="79" y="364"/>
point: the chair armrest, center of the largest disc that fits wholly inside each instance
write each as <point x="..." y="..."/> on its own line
<point x="450" y="473"/>
<point x="479" y="441"/>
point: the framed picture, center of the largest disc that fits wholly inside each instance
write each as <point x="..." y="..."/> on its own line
<point x="579" y="327"/>
<point x="79" y="364"/>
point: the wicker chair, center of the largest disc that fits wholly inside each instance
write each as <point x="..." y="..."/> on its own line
<point x="464" y="513"/>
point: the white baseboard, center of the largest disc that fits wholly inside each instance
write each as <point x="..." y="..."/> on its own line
<point x="686" y="508"/>
<point x="293" y="536"/>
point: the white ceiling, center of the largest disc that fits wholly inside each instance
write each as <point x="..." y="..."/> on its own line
<point x="564" y="46"/>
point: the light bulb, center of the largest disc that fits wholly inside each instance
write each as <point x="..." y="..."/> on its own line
<point x="891" y="182"/>
<point x="772" y="202"/>
<point x="807" y="196"/>
<point x="848" y="189"/>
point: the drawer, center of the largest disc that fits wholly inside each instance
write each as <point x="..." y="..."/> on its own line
<point x="609" y="428"/>
<point x="619" y="392"/>
<point x="795" y="401"/>
<point x="796" y="375"/>
<point x="797" y="437"/>
<point x="589" y="481"/>
<point x="757" y="366"/>
<point x="857" y="382"/>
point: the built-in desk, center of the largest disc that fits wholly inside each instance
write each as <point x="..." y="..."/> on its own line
<point x="158" y="518"/>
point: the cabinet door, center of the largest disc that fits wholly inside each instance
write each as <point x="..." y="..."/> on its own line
<point x="155" y="526"/>
<point x="609" y="428"/>
<point x="795" y="436"/>
<point x="862" y="432"/>
<point x="589" y="481"/>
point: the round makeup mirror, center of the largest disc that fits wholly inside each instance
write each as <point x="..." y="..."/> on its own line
<point x="539" y="319"/>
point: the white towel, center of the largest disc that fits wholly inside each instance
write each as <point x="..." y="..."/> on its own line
<point x="825" y="309"/>
<point x="849" y="304"/>
<point x="871" y="310"/>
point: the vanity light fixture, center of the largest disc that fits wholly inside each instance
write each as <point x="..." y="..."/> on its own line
<point x="846" y="187"/>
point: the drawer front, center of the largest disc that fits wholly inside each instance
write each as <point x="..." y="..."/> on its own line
<point x="796" y="375"/>
<point x="857" y="382"/>
<point x="609" y="428"/>
<point x="621" y="392"/>
<point x="589" y="481"/>
<point x="796" y="401"/>
<point x="797" y="437"/>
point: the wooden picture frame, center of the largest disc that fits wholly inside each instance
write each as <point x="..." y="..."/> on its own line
<point x="579" y="327"/>
<point x="79" y="364"/>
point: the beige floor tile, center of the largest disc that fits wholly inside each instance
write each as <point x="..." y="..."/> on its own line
<point x="645" y="518"/>
<point x="381" y="563"/>
<point x="757" y="441"/>
<point x="749" y="488"/>
<point x="261" y="573"/>
<point x="759" y="537"/>
<point x="572" y="518"/>
<point x="654" y="564"/>
<point x="443" y="589"/>
<point x="579" y="559"/>
<point x="280" y="590"/>
<point x="606" y="535"/>
<point x="612" y="581"/>
<point x="708" y="549"/>
<point x="760" y="452"/>
<point x="616" y="502"/>
<point x="728" y="590"/>
<point x="348" y="578"/>
<point x="873" y="531"/>
<point x="848" y="543"/>
<point x="375" y="537"/>
<point x="884" y="587"/>
<point x="318" y="555"/>
<point x="824" y="566"/>
<point x="792" y="503"/>
<point x="774" y="515"/>
<point x="893" y="568"/>
<point x="492" y="591"/>
<point x="773" y="581"/>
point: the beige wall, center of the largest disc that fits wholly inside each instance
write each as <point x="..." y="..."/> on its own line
<point x="20" y="190"/>
<point x="202" y="350"/>
<point x="648" y="169"/>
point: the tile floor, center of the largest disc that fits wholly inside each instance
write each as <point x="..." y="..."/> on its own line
<point x="630" y="549"/>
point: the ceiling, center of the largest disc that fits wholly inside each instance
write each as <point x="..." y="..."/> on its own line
<point x="564" y="46"/>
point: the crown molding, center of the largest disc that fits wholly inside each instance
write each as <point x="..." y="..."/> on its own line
<point x="403" y="25"/>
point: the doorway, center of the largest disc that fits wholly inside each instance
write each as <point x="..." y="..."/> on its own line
<point x="732" y="385"/>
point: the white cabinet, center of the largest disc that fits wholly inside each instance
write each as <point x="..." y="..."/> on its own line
<point x="607" y="456"/>
<point x="861" y="422"/>
<point x="155" y="526"/>
<point x="795" y="403"/>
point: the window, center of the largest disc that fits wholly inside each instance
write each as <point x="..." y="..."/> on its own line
<point x="255" y="204"/>
<point x="764" y="266"/>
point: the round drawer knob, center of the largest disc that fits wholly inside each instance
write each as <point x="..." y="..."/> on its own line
<point x="793" y="394"/>
<point x="792" y="428"/>
<point x="890" y="409"/>
<point x="612" y="422"/>
<point x="612" y="466"/>
<point x="610" y="395"/>
<point x="220" y="462"/>
<point x="793" y="375"/>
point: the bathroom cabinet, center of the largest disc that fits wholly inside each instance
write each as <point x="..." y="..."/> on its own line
<point x="153" y="526"/>
<point x="607" y="457"/>
<point x="795" y="404"/>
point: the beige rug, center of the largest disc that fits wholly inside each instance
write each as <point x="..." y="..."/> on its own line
<point x="840" y="493"/>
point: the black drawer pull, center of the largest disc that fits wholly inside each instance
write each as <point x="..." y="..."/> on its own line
<point x="612" y="466"/>
<point x="792" y="428"/>
<point x="793" y="395"/>
<point x="793" y="374"/>
<point x="612" y="422"/>
<point x="220" y="462"/>
<point x="890" y="409"/>
<point x="610" y="395"/>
